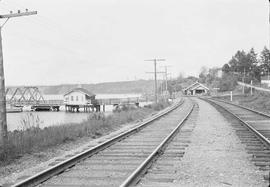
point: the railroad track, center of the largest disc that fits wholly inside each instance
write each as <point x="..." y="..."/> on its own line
<point x="120" y="161"/>
<point x="165" y="170"/>
<point x="253" y="131"/>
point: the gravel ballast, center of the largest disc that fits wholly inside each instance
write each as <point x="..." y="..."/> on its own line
<point x="215" y="156"/>
<point x="30" y="165"/>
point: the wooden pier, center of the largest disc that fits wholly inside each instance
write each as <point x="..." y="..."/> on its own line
<point x="86" y="108"/>
<point x="100" y="104"/>
<point x="97" y="106"/>
<point x="33" y="98"/>
<point x="45" y="105"/>
<point x="119" y="101"/>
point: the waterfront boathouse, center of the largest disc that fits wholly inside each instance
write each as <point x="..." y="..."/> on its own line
<point x="196" y="89"/>
<point x="79" y="98"/>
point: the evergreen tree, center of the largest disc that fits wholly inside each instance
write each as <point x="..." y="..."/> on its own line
<point x="252" y="61"/>
<point x="233" y="65"/>
<point x="226" y="68"/>
<point x="252" y="58"/>
<point x="203" y="74"/>
<point x="265" y="61"/>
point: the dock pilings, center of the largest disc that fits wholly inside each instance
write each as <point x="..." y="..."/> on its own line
<point x="86" y="108"/>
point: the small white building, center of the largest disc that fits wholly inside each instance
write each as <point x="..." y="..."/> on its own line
<point x="79" y="98"/>
<point x="265" y="80"/>
<point x="196" y="89"/>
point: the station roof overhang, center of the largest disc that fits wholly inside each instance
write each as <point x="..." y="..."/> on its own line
<point x="196" y="86"/>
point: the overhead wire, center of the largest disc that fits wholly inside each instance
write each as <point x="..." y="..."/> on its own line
<point x="51" y="26"/>
<point x="50" y="23"/>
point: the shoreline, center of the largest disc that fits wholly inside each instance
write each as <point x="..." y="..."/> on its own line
<point x="53" y="118"/>
<point x="40" y="160"/>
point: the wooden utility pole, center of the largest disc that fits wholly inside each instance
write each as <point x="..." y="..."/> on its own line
<point x="157" y="72"/>
<point x="251" y="91"/>
<point x="3" y="115"/>
<point x="166" y="77"/>
<point x="243" y="79"/>
<point x="269" y="29"/>
<point x="155" y="60"/>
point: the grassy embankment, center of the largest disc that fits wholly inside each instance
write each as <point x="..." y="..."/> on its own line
<point x="258" y="101"/>
<point x="34" y="139"/>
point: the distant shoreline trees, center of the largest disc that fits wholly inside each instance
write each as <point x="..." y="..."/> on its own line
<point x="243" y="66"/>
<point x="248" y="64"/>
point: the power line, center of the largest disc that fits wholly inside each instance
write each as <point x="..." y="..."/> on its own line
<point x="50" y="24"/>
<point x="3" y="114"/>
<point x="166" y="77"/>
<point x="54" y="28"/>
<point x="155" y="60"/>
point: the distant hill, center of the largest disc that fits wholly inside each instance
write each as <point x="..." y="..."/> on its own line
<point x="139" y="86"/>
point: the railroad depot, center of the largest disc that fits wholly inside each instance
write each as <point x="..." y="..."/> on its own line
<point x="196" y="89"/>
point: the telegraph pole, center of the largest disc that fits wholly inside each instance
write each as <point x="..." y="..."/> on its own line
<point x="155" y="60"/>
<point x="243" y="79"/>
<point x="157" y="72"/>
<point x="166" y="77"/>
<point x="269" y="24"/>
<point x="3" y="115"/>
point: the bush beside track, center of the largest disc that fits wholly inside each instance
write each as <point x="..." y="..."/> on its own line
<point x="259" y="101"/>
<point x="34" y="139"/>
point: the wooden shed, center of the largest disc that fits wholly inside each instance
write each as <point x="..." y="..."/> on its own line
<point x="196" y="89"/>
<point x="79" y="98"/>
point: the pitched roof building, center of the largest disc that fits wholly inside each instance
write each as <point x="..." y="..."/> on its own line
<point x="79" y="96"/>
<point x="196" y="89"/>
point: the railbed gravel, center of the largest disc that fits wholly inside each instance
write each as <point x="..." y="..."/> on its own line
<point x="215" y="156"/>
<point x="31" y="164"/>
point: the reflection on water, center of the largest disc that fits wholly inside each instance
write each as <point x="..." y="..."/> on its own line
<point x="14" y="120"/>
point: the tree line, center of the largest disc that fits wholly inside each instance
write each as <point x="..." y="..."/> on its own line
<point x="243" y="66"/>
<point x="249" y="64"/>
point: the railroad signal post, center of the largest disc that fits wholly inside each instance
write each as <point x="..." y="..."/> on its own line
<point x="155" y="74"/>
<point x="3" y="115"/>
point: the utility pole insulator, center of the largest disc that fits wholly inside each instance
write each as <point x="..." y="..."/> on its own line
<point x="19" y="14"/>
<point x="3" y="114"/>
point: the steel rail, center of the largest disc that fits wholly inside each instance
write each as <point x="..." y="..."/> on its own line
<point x="134" y="177"/>
<point x="62" y="166"/>
<point x="244" y="107"/>
<point x="264" y="140"/>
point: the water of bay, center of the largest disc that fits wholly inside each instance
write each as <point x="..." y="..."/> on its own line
<point x="15" y="121"/>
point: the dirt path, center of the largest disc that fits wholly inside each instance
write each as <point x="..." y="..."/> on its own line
<point x="215" y="156"/>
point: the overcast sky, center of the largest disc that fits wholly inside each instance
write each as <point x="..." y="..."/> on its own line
<point x="91" y="41"/>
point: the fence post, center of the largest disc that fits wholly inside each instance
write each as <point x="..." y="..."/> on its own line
<point x="251" y="92"/>
<point x="231" y="95"/>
